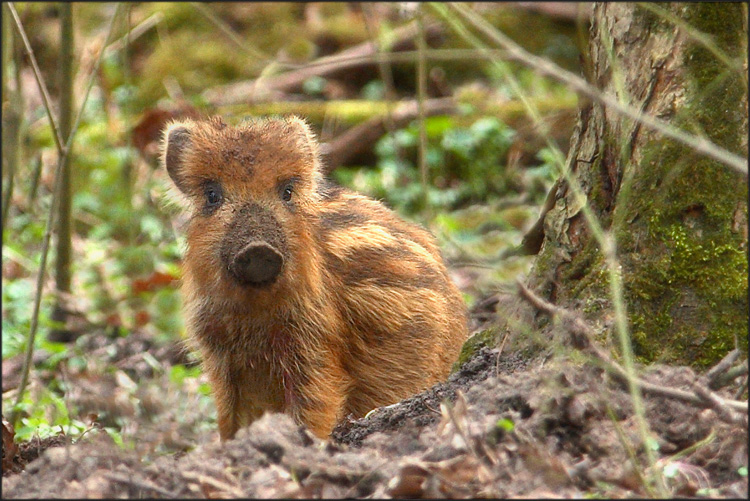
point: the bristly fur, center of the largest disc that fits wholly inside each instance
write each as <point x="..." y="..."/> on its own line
<point x="362" y="312"/>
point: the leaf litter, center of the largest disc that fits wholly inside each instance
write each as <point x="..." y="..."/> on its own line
<point x="500" y="426"/>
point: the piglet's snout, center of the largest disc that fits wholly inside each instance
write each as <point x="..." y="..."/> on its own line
<point x="257" y="264"/>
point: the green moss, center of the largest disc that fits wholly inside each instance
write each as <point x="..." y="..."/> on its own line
<point x="652" y="21"/>
<point x="586" y="269"/>
<point x="685" y="268"/>
<point x="486" y="337"/>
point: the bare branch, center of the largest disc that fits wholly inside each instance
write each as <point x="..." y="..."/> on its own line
<point x="360" y="138"/>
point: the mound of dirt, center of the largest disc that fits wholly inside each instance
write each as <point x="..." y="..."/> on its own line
<point x="499" y="427"/>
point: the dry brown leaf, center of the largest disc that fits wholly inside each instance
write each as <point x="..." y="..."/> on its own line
<point x="9" y="446"/>
<point x="409" y="483"/>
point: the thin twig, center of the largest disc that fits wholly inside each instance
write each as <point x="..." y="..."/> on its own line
<point x="623" y="333"/>
<point x="12" y="117"/>
<point x="470" y="445"/>
<point x="258" y="55"/>
<point x="39" y="80"/>
<point x="421" y="96"/>
<point x="627" y="445"/>
<point x="405" y="56"/>
<point x="386" y="75"/>
<point x="134" y="33"/>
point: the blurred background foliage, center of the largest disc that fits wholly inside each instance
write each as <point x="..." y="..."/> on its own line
<point x="489" y="166"/>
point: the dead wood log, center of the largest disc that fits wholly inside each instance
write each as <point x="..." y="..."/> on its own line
<point x="362" y="137"/>
<point x="565" y="11"/>
<point x="274" y="87"/>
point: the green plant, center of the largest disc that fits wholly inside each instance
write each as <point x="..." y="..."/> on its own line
<point x="465" y="164"/>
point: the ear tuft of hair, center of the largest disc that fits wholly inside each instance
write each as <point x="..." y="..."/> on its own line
<point x="307" y="141"/>
<point x="177" y="140"/>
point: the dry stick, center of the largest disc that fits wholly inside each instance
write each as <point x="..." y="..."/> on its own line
<point x="52" y="211"/>
<point x="516" y="52"/>
<point x="729" y="376"/>
<point x="140" y="484"/>
<point x="386" y="75"/>
<point x="243" y="91"/>
<point x="349" y="58"/>
<point x="361" y="137"/>
<point x="471" y="446"/>
<point x="741" y="390"/>
<point x="717" y="370"/>
<point x="39" y="80"/>
<point x="712" y="400"/>
<point x="203" y="480"/>
<point x="596" y="229"/>
<point x="64" y="247"/>
<point x="628" y="446"/>
<point x="405" y="56"/>
<point x="533" y="112"/>
<point x="230" y="33"/>
<point x="134" y="33"/>
<point x="581" y="336"/>
<point x="621" y="324"/>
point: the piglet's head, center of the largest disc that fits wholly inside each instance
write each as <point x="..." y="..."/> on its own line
<point x="252" y="192"/>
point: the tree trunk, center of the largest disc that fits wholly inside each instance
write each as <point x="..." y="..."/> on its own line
<point x="64" y="220"/>
<point x="679" y="218"/>
<point x="12" y="115"/>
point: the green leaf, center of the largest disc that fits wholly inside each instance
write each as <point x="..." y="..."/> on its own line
<point x="505" y="424"/>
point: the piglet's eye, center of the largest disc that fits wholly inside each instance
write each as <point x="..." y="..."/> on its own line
<point x="286" y="195"/>
<point x="214" y="194"/>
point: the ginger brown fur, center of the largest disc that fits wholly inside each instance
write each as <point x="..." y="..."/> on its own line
<point x="303" y="297"/>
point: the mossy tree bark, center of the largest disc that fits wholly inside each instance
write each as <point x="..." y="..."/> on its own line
<point x="679" y="218"/>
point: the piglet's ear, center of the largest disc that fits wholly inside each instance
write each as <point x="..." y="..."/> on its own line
<point x="306" y="137"/>
<point x="177" y="142"/>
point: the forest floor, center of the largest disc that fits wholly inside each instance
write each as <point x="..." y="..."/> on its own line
<point x="501" y="426"/>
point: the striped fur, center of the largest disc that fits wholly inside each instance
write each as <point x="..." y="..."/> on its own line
<point x="363" y="312"/>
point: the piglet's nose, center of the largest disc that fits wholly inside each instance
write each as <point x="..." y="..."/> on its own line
<point x="257" y="264"/>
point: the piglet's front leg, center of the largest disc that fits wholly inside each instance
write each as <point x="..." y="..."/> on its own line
<point x="317" y="397"/>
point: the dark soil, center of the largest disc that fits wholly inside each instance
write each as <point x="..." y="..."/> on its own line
<point x="500" y="426"/>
